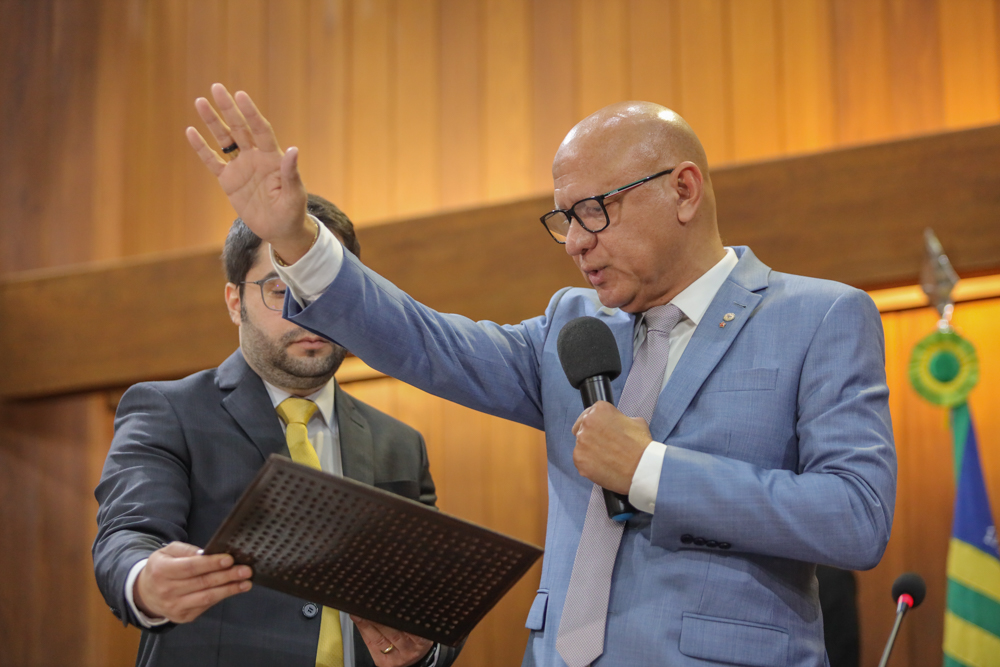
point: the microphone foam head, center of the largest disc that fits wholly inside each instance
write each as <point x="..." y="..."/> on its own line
<point x="912" y="584"/>
<point x="587" y="348"/>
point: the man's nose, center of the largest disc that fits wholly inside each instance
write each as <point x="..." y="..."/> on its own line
<point x="578" y="239"/>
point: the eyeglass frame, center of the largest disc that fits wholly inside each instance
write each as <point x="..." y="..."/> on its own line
<point x="571" y="212"/>
<point x="260" y="284"/>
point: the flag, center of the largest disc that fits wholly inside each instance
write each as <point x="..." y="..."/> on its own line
<point x="972" y="618"/>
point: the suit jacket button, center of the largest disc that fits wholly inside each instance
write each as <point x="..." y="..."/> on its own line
<point x="711" y="544"/>
<point x="687" y="539"/>
<point x="699" y="541"/>
<point x="725" y="545"/>
<point x="310" y="609"/>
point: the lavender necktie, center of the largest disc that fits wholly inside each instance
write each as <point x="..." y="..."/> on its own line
<point x="580" y="640"/>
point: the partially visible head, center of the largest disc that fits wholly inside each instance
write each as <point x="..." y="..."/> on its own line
<point x="283" y="353"/>
<point x="240" y="250"/>
<point x="663" y="234"/>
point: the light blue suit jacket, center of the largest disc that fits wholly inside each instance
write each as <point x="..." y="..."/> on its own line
<point x="779" y="454"/>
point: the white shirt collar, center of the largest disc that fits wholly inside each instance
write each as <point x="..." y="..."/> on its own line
<point x="322" y="397"/>
<point x="697" y="296"/>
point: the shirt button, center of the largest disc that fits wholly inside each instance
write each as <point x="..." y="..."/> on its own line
<point x="310" y="609"/>
<point x="725" y="545"/>
<point x="687" y="539"/>
<point x="699" y="541"/>
<point x="711" y="544"/>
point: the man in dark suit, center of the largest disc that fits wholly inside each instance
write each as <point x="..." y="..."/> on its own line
<point x="184" y="451"/>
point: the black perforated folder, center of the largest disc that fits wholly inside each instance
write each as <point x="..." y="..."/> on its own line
<point x="351" y="546"/>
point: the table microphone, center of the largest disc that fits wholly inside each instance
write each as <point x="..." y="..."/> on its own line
<point x="589" y="356"/>
<point x="908" y="591"/>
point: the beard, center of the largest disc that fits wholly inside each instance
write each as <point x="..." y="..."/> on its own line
<point x="270" y="358"/>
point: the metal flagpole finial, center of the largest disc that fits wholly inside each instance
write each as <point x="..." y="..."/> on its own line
<point x="938" y="279"/>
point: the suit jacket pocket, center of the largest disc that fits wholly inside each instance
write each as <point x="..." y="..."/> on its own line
<point x="536" y="615"/>
<point x="732" y="641"/>
<point x="408" y="488"/>
<point x="753" y="379"/>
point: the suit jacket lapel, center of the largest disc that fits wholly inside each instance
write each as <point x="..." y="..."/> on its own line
<point x="250" y="405"/>
<point x="357" y="453"/>
<point x="739" y="295"/>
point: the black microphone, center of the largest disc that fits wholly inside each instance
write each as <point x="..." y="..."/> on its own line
<point x="589" y="356"/>
<point x="908" y="592"/>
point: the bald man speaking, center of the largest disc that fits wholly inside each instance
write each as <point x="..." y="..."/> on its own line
<point x="752" y="433"/>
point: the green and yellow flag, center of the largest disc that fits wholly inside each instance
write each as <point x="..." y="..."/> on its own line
<point x="944" y="369"/>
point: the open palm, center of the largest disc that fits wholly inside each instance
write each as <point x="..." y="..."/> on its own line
<point x="262" y="181"/>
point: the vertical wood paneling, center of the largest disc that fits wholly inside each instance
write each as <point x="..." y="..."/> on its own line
<point x="109" y="141"/>
<point x="461" y="104"/>
<point x="653" y="58"/>
<point x="44" y="476"/>
<point x="914" y="62"/>
<point x="602" y="53"/>
<point x="324" y="157"/>
<point x="553" y="85"/>
<point x="807" y="74"/>
<point x="417" y="100"/>
<point x="706" y="88"/>
<point x="287" y="58"/>
<point x="205" y="63"/>
<point x="66" y="244"/>
<point x="167" y="27"/>
<point x="371" y="192"/>
<point x="969" y="60"/>
<point x="758" y="130"/>
<point x="247" y="34"/>
<point x="507" y="109"/>
<point x="861" y="71"/>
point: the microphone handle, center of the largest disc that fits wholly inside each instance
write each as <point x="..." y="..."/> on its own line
<point x="892" y="636"/>
<point x="592" y="390"/>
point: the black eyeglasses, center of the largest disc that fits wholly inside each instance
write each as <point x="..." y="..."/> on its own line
<point x="272" y="292"/>
<point x="590" y="212"/>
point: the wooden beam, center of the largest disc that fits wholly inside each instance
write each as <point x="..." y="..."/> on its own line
<point x="857" y="215"/>
<point x="854" y="215"/>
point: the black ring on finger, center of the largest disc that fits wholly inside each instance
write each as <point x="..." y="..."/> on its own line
<point x="231" y="147"/>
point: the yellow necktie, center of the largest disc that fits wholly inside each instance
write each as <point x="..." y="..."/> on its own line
<point x="296" y="413"/>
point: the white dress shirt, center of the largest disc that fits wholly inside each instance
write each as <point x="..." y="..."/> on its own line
<point x="311" y="275"/>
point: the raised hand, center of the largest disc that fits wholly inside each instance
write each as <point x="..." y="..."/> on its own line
<point x="390" y="647"/>
<point x="179" y="584"/>
<point x="261" y="181"/>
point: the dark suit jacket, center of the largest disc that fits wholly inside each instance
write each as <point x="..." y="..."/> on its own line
<point x="182" y="454"/>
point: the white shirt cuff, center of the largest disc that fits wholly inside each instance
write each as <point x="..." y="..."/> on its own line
<point x="309" y="277"/>
<point x="133" y="574"/>
<point x="646" y="479"/>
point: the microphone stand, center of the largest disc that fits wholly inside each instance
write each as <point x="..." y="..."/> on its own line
<point x="904" y="604"/>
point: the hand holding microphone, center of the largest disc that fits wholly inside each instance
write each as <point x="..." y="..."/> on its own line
<point x="609" y="444"/>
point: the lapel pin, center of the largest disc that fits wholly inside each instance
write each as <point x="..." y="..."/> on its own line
<point x="728" y="317"/>
<point x="722" y="324"/>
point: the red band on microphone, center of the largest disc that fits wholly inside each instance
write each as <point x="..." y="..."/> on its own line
<point x="906" y="599"/>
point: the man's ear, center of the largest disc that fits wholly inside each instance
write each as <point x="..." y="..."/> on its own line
<point x="690" y="190"/>
<point x="233" y="303"/>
